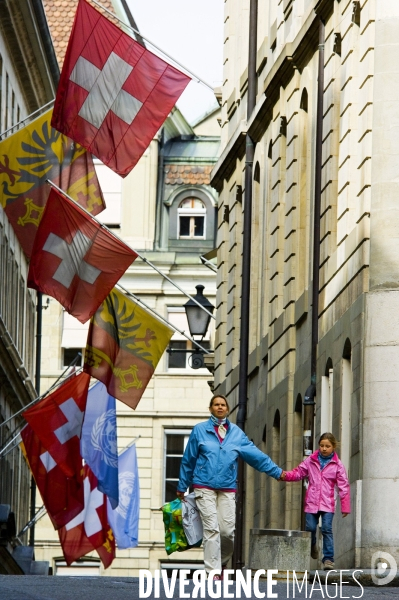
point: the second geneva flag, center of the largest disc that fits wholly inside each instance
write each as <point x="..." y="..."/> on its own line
<point x="113" y="94"/>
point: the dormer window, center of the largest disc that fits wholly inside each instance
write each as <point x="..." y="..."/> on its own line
<point x="191" y="216"/>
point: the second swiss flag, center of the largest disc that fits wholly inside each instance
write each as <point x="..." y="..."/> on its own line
<point x="74" y="259"/>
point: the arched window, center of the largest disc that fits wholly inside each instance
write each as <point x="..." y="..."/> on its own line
<point x="191" y="216"/>
<point x="276" y="505"/>
<point x="304" y="100"/>
<point x="327" y="398"/>
<point x="346" y="401"/>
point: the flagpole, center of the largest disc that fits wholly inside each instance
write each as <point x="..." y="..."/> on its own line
<point x="198" y="79"/>
<point x="3" y="450"/>
<point x="46" y="392"/>
<point x="129" y="444"/>
<point x="26" y="118"/>
<point x="40" y="513"/>
<point x="161" y="318"/>
<point x="143" y="258"/>
<point x="39" y="311"/>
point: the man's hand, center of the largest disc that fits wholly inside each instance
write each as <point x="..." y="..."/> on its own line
<point x="180" y="495"/>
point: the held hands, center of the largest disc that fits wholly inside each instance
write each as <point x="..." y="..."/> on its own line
<point x="282" y="476"/>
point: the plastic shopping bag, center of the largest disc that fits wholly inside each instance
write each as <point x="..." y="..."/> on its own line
<point x="192" y="523"/>
<point x="175" y="538"/>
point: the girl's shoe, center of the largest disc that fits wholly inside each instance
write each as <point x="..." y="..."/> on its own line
<point x="328" y="565"/>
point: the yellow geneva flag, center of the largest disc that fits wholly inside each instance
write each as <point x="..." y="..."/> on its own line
<point x="30" y="156"/>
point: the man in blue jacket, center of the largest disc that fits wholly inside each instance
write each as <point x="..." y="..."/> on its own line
<point x="209" y="465"/>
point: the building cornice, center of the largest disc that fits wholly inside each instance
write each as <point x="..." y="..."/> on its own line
<point x="294" y="56"/>
<point x="226" y="164"/>
<point x="26" y="34"/>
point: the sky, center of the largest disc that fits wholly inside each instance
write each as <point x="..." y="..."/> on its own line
<point x="192" y="33"/>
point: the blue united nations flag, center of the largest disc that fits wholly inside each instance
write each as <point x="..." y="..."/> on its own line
<point x="99" y="444"/>
<point x="124" y="519"/>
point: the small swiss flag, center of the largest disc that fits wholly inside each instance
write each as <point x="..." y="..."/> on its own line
<point x="57" y="421"/>
<point x="76" y="260"/>
<point x="62" y="496"/>
<point x="89" y="530"/>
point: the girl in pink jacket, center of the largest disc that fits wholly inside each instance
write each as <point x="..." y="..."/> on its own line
<point x="325" y="472"/>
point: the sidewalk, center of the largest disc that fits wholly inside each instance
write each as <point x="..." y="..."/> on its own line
<point x="26" y="587"/>
<point x="356" y="576"/>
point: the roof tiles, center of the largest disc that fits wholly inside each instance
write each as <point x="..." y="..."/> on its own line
<point x="60" y="15"/>
<point x="183" y="174"/>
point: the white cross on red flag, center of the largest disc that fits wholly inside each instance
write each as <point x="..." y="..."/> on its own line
<point x="113" y="94"/>
<point x="89" y="530"/>
<point x="57" y="421"/>
<point x="62" y="495"/>
<point x="74" y="259"/>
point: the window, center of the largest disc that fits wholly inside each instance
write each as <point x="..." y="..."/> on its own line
<point x="175" y="444"/>
<point x="87" y="566"/>
<point x="177" y="360"/>
<point x="111" y="186"/>
<point x="6" y="123"/>
<point x="191" y="219"/>
<point x="69" y="354"/>
<point x="191" y="566"/>
<point x="13" y="108"/>
<point x="74" y="337"/>
<point x="182" y="360"/>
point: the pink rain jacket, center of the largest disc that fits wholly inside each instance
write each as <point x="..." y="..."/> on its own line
<point x="320" y="494"/>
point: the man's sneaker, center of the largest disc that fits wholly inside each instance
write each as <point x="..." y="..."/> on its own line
<point x="328" y="565"/>
<point x="314" y="553"/>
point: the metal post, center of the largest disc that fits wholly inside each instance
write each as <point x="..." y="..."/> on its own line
<point x="39" y="311"/>
<point x="238" y="557"/>
<point x="310" y="393"/>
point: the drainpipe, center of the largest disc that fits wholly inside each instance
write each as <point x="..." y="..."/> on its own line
<point x="238" y="558"/>
<point x="160" y="180"/>
<point x="39" y="310"/>
<point x="309" y="402"/>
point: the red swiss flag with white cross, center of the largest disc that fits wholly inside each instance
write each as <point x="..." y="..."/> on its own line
<point x="89" y="530"/>
<point x="113" y="94"/>
<point x="74" y="259"/>
<point x="57" y="421"/>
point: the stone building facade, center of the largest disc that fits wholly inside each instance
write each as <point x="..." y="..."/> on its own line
<point x="28" y="76"/>
<point x="358" y="325"/>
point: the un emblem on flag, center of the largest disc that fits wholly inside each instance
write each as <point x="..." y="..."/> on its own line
<point x="126" y="486"/>
<point x="103" y="438"/>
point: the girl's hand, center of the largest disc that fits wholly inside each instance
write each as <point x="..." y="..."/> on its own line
<point x="344" y="515"/>
<point x="180" y="495"/>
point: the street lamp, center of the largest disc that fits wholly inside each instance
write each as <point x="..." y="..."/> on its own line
<point x="198" y="319"/>
<point x="198" y="323"/>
